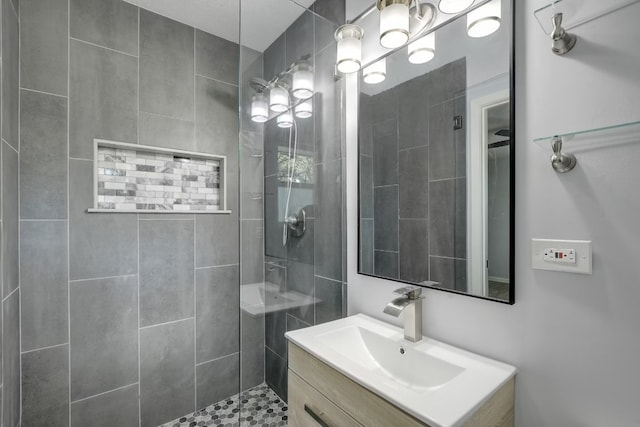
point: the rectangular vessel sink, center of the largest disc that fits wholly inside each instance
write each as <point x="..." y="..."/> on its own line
<point x="437" y="383"/>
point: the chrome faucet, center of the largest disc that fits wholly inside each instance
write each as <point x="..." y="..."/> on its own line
<point x="411" y="303"/>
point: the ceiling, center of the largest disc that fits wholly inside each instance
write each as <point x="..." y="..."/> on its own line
<point x="262" y="20"/>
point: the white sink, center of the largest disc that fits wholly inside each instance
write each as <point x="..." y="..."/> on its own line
<point x="437" y="383"/>
<point x="265" y="297"/>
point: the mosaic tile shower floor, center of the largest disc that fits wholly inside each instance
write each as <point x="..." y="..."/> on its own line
<point x="259" y="406"/>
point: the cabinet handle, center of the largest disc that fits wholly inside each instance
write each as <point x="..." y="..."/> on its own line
<point x="315" y="416"/>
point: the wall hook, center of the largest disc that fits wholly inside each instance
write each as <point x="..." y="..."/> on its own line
<point x="562" y="42"/>
<point x="561" y="162"/>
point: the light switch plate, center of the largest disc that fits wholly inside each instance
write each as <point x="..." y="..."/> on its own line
<point x="583" y="255"/>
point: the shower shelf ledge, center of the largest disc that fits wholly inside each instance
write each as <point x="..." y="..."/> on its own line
<point x="577" y="12"/>
<point x="623" y="133"/>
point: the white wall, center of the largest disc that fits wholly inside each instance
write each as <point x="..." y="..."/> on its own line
<point x="574" y="338"/>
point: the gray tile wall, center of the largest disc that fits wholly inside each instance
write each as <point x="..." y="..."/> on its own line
<point x="412" y="180"/>
<point x="312" y="264"/>
<point x="10" y="361"/>
<point x="113" y="308"/>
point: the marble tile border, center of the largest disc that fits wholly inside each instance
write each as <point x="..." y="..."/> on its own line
<point x="141" y="178"/>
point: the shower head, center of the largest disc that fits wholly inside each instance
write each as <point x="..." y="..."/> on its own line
<point x="258" y="84"/>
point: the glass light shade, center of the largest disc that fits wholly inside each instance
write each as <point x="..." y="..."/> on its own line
<point x="394" y="25"/>
<point x="453" y="6"/>
<point x="304" y="110"/>
<point x="422" y="50"/>
<point x="302" y="87"/>
<point x="285" y="120"/>
<point x="278" y="99"/>
<point x="376" y="72"/>
<point x="349" y="54"/>
<point x="484" y="20"/>
<point x="259" y="108"/>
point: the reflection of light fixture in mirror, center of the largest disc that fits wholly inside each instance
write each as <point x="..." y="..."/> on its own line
<point x="259" y="108"/>
<point x="422" y="50"/>
<point x="285" y="120"/>
<point x="304" y="110"/>
<point x="302" y="86"/>
<point x="278" y="99"/>
<point x="376" y="72"/>
<point x="453" y="6"/>
<point x="394" y="22"/>
<point x="484" y="20"/>
<point x="349" y="38"/>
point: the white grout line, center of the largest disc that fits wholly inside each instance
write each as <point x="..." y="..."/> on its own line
<point x="216" y="80"/>
<point x="138" y="229"/>
<point x="102" y="278"/>
<point x="69" y="200"/>
<point x="195" y="304"/>
<point x="42" y="220"/>
<point x="103" y="393"/>
<point x="101" y="47"/>
<point x="167" y="323"/>
<point x="44" y="348"/>
<point x="218" y="266"/>
<point x="78" y="158"/>
<point x="26" y="89"/>
<point x="10" y="293"/>
<point x="219" y="358"/>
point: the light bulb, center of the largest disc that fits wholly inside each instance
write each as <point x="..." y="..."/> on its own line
<point x="278" y="99"/>
<point x="302" y="87"/>
<point x="394" y="25"/>
<point x="304" y="110"/>
<point x="259" y="108"/>
<point x="376" y="72"/>
<point x="454" y="6"/>
<point x="285" y="120"/>
<point x="422" y="50"/>
<point x="484" y="20"/>
<point x="349" y="38"/>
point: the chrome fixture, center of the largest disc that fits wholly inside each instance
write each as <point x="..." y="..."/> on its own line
<point x="422" y="50"/>
<point x="484" y="20"/>
<point x="349" y="54"/>
<point x="296" y="223"/>
<point x="411" y="303"/>
<point x="562" y="42"/>
<point x="376" y="72"/>
<point x="561" y="162"/>
<point x="454" y="6"/>
<point x="402" y="20"/>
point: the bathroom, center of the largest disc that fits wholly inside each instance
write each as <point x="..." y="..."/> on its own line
<point x="172" y="310"/>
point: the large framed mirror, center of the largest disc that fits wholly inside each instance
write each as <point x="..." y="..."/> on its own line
<point x="436" y="152"/>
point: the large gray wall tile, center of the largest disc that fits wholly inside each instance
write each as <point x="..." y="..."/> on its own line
<point x="43" y="156"/>
<point x="44" y="283"/>
<point x="450" y="273"/>
<point x="276" y="373"/>
<point x="275" y="326"/>
<point x="217" y="318"/>
<point x="327" y="108"/>
<point x="252" y="251"/>
<point x="274" y="58"/>
<point x="299" y="39"/>
<point x="11" y="359"/>
<point x="252" y="350"/>
<point x="385" y="264"/>
<point x="103" y="97"/>
<point x="166" y="271"/>
<point x="217" y="119"/>
<point x="413" y="113"/>
<point x="217" y="58"/>
<point x="104" y="335"/>
<point x="116" y="408"/>
<point x="44" y="43"/>
<point x="300" y="279"/>
<point x="328" y="225"/>
<point x="302" y="248"/>
<point x="385" y="152"/>
<point x="101" y="245"/>
<point x="167" y="132"/>
<point x="217" y="239"/>
<point x="385" y="218"/>
<point x="447" y="81"/>
<point x="447" y="158"/>
<point x="252" y="177"/>
<point x="166" y="66"/>
<point x="217" y="380"/>
<point x="413" y="183"/>
<point x="45" y="387"/>
<point x="108" y="23"/>
<point x="167" y="371"/>
<point x="366" y="246"/>
<point x="10" y="74"/>
<point x="414" y="250"/>
<point x="447" y="218"/>
<point x="330" y="301"/>
<point x="333" y="10"/>
<point x="10" y="226"/>
<point x="366" y="186"/>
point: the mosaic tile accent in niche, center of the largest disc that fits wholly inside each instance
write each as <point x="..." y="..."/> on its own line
<point x="131" y="179"/>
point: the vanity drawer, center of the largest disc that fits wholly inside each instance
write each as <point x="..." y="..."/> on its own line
<point x="365" y="407"/>
<point x="306" y="402"/>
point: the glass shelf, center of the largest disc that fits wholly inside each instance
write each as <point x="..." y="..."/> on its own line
<point x="624" y="133"/>
<point x="577" y="12"/>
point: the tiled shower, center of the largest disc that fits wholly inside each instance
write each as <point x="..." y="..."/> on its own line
<point x="134" y="318"/>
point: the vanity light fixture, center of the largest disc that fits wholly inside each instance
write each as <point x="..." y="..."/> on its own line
<point x="394" y="22"/>
<point x="376" y="72"/>
<point x="484" y="20"/>
<point x="453" y="6"/>
<point x="278" y="99"/>
<point x="285" y="120"/>
<point x="259" y="108"/>
<point x="349" y="55"/>
<point x="304" y="110"/>
<point x="422" y="50"/>
<point x="302" y="86"/>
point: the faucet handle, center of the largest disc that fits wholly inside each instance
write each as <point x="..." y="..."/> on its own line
<point x="411" y="292"/>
